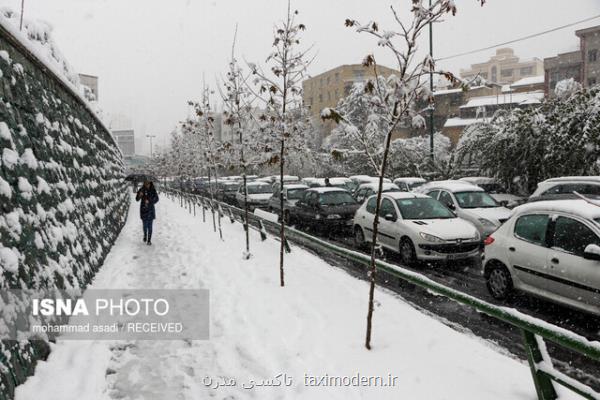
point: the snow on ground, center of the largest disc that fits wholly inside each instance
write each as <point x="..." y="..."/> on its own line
<point x="312" y="327"/>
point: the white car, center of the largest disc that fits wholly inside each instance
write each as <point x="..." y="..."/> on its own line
<point x="259" y="194"/>
<point x="365" y="190"/>
<point x="408" y="184"/>
<point x="563" y="188"/>
<point x="550" y="249"/>
<point x="469" y="202"/>
<point x="417" y="227"/>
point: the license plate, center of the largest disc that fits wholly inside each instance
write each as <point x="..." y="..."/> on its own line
<point x="458" y="256"/>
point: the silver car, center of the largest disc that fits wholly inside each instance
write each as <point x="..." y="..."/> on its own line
<point x="550" y="249"/>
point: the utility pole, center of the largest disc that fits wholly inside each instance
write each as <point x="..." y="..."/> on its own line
<point x="150" y="137"/>
<point x="22" y="10"/>
<point x="431" y="106"/>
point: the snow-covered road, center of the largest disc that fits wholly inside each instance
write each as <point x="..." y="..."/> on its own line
<point x="311" y="328"/>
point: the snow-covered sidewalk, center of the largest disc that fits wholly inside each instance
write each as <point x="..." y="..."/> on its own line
<point x="311" y="328"/>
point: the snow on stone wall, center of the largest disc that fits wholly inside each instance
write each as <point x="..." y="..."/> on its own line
<point x="63" y="200"/>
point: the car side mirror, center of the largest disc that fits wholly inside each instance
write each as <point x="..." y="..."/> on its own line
<point x="390" y="217"/>
<point x="451" y="206"/>
<point x="504" y="203"/>
<point x="592" y="252"/>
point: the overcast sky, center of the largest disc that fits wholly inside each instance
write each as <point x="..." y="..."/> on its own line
<point x="151" y="55"/>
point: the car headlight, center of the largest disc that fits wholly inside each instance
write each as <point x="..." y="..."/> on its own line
<point x="431" y="238"/>
<point x="334" y="216"/>
<point x="477" y="236"/>
<point x="487" y="223"/>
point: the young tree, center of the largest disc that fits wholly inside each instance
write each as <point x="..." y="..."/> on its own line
<point x="396" y="103"/>
<point x="238" y="115"/>
<point x="280" y="91"/>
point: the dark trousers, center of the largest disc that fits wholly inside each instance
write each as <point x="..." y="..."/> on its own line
<point x="147" y="226"/>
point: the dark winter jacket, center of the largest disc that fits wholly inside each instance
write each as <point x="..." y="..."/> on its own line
<point x="148" y="198"/>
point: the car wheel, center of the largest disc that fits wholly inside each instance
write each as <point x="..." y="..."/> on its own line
<point x="407" y="252"/>
<point x="498" y="281"/>
<point x="359" y="238"/>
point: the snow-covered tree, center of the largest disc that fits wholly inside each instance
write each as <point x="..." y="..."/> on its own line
<point x="396" y="101"/>
<point x="280" y="91"/>
<point x="521" y="147"/>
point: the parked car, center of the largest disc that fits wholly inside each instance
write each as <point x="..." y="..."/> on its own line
<point x="259" y="194"/>
<point x="408" y="184"/>
<point x="365" y="190"/>
<point x="326" y="208"/>
<point x="417" y="227"/>
<point x="563" y="188"/>
<point x="469" y="202"/>
<point x="549" y="249"/>
<point x="227" y="190"/>
<point x="286" y="179"/>
<point x="291" y="194"/>
<point x="496" y="190"/>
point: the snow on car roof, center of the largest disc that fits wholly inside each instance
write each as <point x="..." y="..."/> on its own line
<point x="406" y="195"/>
<point x="453" y="186"/>
<point x="375" y="186"/>
<point x="409" y="179"/>
<point x="574" y="179"/>
<point x="478" y="180"/>
<point x="327" y="189"/>
<point x="295" y="186"/>
<point x="576" y="207"/>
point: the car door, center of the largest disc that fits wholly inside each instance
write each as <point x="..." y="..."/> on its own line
<point x="570" y="274"/>
<point x="367" y="217"/>
<point x="527" y="249"/>
<point x="300" y="210"/>
<point x="387" y="235"/>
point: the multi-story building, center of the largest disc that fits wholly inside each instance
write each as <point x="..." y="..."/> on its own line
<point x="126" y="141"/>
<point x="582" y="65"/>
<point x="590" y="54"/>
<point x="326" y="89"/>
<point x="504" y="68"/>
<point x="91" y="82"/>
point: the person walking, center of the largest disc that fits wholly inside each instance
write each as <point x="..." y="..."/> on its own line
<point x="148" y="197"/>
<point x="327" y="183"/>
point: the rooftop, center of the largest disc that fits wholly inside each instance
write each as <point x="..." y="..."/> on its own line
<point x="532" y="80"/>
<point x="405" y="195"/>
<point x="514" y="98"/>
<point x="456" y="121"/>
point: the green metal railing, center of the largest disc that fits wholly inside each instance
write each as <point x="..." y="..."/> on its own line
<point x="534" y="331"/>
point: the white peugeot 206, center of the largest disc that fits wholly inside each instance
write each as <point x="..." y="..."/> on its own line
<point x="417" y="227"/>
<point x="550" y="249"/>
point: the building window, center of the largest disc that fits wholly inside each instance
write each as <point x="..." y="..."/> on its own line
<point x="321" y="81"/>
<point x="328" y="96"/>
<point x="593" y="55"/>
<point x="506" y="73"/>
<point x="494" y="74"/>
<point x="328" y="80"/>
<point x="320" y="98"/>
<point x="484" y="75"/>
<point x="337" y="76"/>
<point x="525" y="71"/>
<point x="591" y="82"/>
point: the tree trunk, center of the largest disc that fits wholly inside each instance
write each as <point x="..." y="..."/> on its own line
<point x="282" y="226"/>
<point x="373" y="268"/>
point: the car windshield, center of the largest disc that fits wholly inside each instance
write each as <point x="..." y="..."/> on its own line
<point x="423" y="208"/>
<point x="475" y="200"/>
<point x="259" y="189"/>
<point x="295" y="194"/>
<point x="336" y="198"/>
